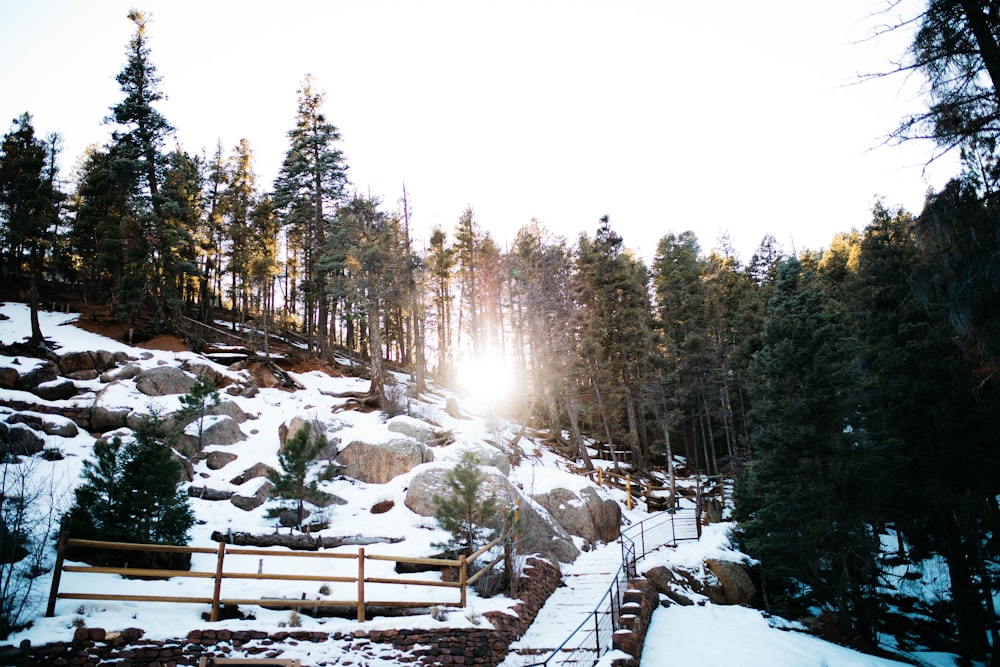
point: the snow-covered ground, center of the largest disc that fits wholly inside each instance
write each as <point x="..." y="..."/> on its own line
<point x="699" y="635"/>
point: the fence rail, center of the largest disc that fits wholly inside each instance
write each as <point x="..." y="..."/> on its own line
<point x="220" y="574"/>
<point x="594" y="637"/>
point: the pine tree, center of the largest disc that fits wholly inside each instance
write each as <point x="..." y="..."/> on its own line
<point x="471" y="518"/>
<point x="310" y="185"/>
<point x="130" y="493"/>
<point x="29" y="209"/>
<point x="196" y="405"/>
<point x="298" y="481"/>
<point x="802" y="503"/>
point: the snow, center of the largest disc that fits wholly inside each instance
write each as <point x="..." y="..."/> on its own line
<point x="696" y="635"/>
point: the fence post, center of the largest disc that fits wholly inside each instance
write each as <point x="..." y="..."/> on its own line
<point x="217" y="591"/>
<point x="50" y="611"/>
<point x="462" y="578"/>
<point x="600" y="477"/>
<point x="649" y="495"/>
<point x="361" y="584"/>
<point x="628" y="491"/>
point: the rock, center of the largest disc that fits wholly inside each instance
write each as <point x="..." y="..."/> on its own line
<point x="56" y="390"/>
<point x="259" y="497"/>
<point x="164" y="381"/>
<point x="8" y="377"/>
<point x="290" y="518"/>
<point x="669" y="584"/>
<point x="202" y="369"/>
<point x="737" y="586"/>
<point x="205" y="493"/>
<point x="317" y="428"/>
<point x="23" y="441"/>
<point x="452" y="409"/>
<point x="126" y="372"/>
<point x="45" y="371"/>
<point x="539" y="533"/>
<point x="221" y="430"/>
<point x="378" y="463"/>
<point x="583" y="513"/>
<point x="83" y="376"/>
<point x="229" y="409"/>
<point x="104" y="419"/>
<point x="218" y="460"/>
<point x="420" y="431"/>
<point x="95" y="362"/>
<point x="491" y="456"/>
<point x="253" y="472"/>
<point x="48" y="424"/>
<point x="187" y="468"/>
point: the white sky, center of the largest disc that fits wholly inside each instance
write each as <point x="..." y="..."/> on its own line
<point x="667" y="116"/>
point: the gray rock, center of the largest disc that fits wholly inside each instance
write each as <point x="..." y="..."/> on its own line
<point x="83" y="376"/>
<point x="222" y="431"/>
<point x="253" y="472"/>
<point x="218" y="460"/>
<point x="205" y="493"/>
<point x="23" y="441"/>
<point x="584" y="514"/>
<point x="97" y="362"/>
<point x="378" y="463"/>
<point x="252" y="502"/>
<point x="229" y="409"/>
<point x="126" y="372"/>
<point x="46" y="371"/>
<point x="539" y="534"/>
<point x="203" y="369"/>
<point x="104" y="419"/>
<point x="48" y="424"/>
<point x="8" y="377"/>
<point x="737" y="586"/>
<point x="56" y="390"/>
<point x="164" y="381"/>
<point x="420" y="431"/>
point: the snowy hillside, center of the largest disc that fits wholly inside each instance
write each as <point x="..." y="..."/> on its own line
<point x="698" y="635"/>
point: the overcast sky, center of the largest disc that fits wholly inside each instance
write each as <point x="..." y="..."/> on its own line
<point x="667" y="116"/>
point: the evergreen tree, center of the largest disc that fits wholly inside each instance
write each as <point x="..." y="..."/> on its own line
<point x="138" y="154"/>
<point x="310" y="185"/>
<point x="130" y="491"/>
<point x="463" y="511"/>
<point x="29" y="209"/>
<point x="196" y="405"/>
<point x="802" y="502"/>
<point x="298" y="481"/>
<point x="441" y="263"/>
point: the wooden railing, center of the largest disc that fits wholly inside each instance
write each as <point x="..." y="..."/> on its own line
<point x="216" y="599"/>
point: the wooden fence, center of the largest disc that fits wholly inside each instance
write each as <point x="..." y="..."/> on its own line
<point x="652" y="494"/>
<point x="216" y="599"/>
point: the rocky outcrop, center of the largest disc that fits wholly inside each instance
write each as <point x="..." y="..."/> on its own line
<point x="20" y="440"/>
<point x="718" y="581"/>
<point x="94" y="362"/>
<point x="254" y="500"/>
<point x="164" y="381"/>
<point x="49" y="424"/>
<point x="378" y="463"/>
<point x="420" y="431"/>
<point x="216" y="460"/>
<point x="583" y="513"/>
<point x="253" y="472"/>
<point x="539" y="534"/>
<point x="316" y="429"/>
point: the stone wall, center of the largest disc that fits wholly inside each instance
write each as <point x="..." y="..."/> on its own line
<point x="449" y="646"/>
<point x="638" y="605"/>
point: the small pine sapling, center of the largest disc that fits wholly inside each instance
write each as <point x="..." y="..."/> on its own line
<point x="471" y="519"/>
<point x="299" y="480"/>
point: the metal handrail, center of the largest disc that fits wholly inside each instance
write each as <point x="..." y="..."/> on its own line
<point x="636" y="542"/>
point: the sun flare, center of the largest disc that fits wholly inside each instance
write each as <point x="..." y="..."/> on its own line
<point x="488" y="378"/>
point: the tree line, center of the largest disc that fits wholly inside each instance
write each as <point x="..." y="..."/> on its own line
<point x="851" y="389"/>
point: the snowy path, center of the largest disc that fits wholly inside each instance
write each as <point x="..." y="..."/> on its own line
<point x="584" y="584"/>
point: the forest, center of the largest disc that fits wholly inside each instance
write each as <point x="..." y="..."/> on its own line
<point x="847" y="389"/>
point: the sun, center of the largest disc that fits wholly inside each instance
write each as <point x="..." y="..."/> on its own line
<point x="487" y="378"/>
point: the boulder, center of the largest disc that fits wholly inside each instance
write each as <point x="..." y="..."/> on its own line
<point x="96" y="362"/>
<point x="253" y="472"/>
<point x="21" y="440"/>
<point x="252" y="502"/>
<point x="221" y="430"/>
<point x="583" y="513"/>
<point x="378" y="463"/>
<point x="737" y="586"/>
<point x="112" y="407"/>
<point x="8" y="377"/>
<point x="229" y="409"/>
<point x="217" y="460"/>
<point x="83" y="376"/>
<point x="205" y="493"/>
<point x="55" y="390"/>
<point x="420" y="431"/>
<point x="126" y="372"/>
<point x="317" y="428"/>
<point x="164" y="381"/>
<point x="45" y="371"/>
<point x="672" y="585"/>
<point x="539" y="533"/>
<point x="202" y="369"/>
<point x="48" y="424"/>
<point x="487" y="455"/>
